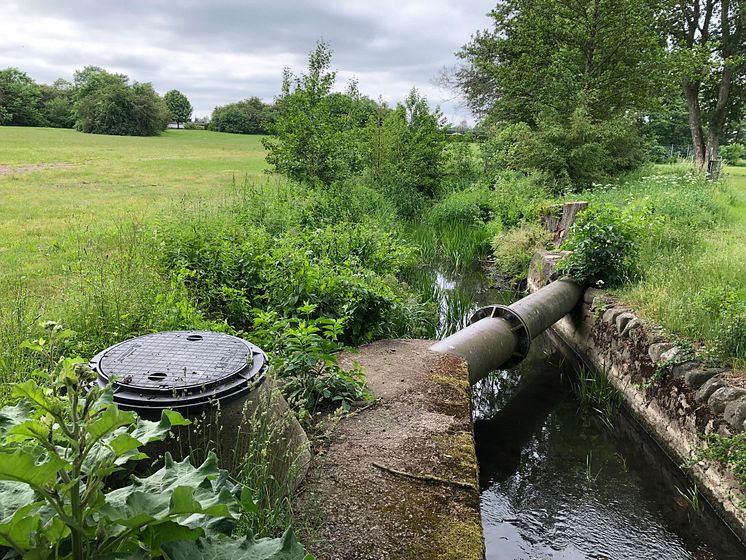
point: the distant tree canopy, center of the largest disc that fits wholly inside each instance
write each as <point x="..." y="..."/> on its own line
<point x="178" y="105"/>
<point x="107" y="104"/>
<point x="250" y="116"/>
<point x="20" y="99"/>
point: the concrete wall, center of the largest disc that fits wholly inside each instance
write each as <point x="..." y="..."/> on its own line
<point x="675" y="398"/>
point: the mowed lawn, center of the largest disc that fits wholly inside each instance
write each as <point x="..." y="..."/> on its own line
<point x="60" y="188"/>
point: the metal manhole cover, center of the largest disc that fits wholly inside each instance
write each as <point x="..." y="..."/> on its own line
<point x="179" y="368"/>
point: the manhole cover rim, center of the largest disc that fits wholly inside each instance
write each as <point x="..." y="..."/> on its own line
<point x="252" y="361"/>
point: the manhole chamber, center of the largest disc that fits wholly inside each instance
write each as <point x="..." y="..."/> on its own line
<point x="216" y="380"/>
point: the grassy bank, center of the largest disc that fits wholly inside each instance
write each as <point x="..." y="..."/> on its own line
<point x="692" y="257"/>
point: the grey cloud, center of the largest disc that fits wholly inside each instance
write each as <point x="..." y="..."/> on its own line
<point x="185" y="44"/>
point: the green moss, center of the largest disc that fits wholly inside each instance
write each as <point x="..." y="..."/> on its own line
<point x="461" y="540"/>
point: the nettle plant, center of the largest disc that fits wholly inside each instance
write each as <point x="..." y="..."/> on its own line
<point x="61" y="443"/>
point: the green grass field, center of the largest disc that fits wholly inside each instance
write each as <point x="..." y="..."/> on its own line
<point x="60" y="188"/>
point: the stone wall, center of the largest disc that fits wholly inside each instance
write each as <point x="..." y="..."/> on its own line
<point x="672" y="395"/>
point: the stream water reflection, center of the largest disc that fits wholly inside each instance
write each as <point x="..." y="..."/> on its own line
<point x="557" y="485"/>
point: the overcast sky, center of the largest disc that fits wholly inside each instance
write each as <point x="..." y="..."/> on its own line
<point x="221" y="51"/>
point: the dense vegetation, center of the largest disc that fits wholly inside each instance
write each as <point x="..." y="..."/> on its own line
<point x="251" y="116"/>
<point x="369" y="202"/>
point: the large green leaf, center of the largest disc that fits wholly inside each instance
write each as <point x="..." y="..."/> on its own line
<point x="34" y="393"/>
<point x="285" y="548"/>
<point x="34" y="466"/>
<point x="13" y="415"/>
<point x="157" y="535"/>
<point x="21" y="528"/>
<point x="28" y="430"/>
<point x="111" y="419"/>
<point x="178" y="491"/>
<point x="147" y="430"/>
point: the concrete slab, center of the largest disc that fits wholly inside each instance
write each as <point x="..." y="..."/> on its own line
<point x="399" y="480"/>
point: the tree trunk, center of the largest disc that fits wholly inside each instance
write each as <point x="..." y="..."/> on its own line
<point x="717" y="122"/>
<point x="691" y="92"/>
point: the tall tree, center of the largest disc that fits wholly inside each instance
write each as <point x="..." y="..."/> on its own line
<point x="19" y="99"/>
<point x="178" y="105"/>
<point x="558" y="55"/>
<point x="708" y="55"/>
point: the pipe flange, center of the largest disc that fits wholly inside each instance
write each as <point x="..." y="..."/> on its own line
<point x="517" y="325"/>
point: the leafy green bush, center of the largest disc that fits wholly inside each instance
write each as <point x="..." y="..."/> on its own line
<point x="59" y="445"/>
<point x="575" y="151"/>
<point x="251" y="116"/>
<point x="304" y="351"/>
<point x="513" y="249"/>
<point x="604" y="242"/>
<point x="732" y="153"/>
<point x="472" y="207"/>
<point x="518" y="196"/>
<point x="107" y="104"/>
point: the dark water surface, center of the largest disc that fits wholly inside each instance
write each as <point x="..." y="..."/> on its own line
<point x="557" y="484"/>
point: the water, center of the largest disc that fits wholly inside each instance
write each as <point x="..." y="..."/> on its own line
<point x="556" y="484"/>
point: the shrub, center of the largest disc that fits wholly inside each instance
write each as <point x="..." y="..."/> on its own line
<point x="575" y="151"/>
<point x="732" y="153"/>
<point x="604" y="242"/>
<point x="514" y="248"/>
<point x="518" y="197"/>
<point x="107" y="104"/>
<point x="251" y="116"/>
<point x="475" y="207"/>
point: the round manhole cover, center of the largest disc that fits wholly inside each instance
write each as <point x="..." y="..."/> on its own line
<point x="180" y="369"/>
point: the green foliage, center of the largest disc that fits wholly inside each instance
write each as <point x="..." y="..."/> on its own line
<point x="178" y="106"/>
<point x="576" y="151"/>
<point x="315" y="130"/>
<point x="19" y="99"/>
<point x="304" y="351"/>
<point x="106" y="104"/>
<point x="251" y="116"/>
<point x="518" y="197"/>
<point x="406" y="153"/>
<point x="474" y="207"/>
<point x="514" y="248"/>
<point x="230" y="272"/>
<point x="57" y="104"/>
<point x="552" y="54"/>
<point x="729" y="450"/>
<point x="286" y="548"/>
<point x="732" y="153"/>
<point x="604" y="242"/>
<point x="596" y="393"/>
<point x="462" y="167"/>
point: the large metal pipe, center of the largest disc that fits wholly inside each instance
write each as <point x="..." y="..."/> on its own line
<point x="499" y="336"/>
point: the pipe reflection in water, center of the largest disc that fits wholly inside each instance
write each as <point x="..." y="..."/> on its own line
<point x="556" y="484"/>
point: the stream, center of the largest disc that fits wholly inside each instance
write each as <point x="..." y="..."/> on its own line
<point x="556" y="482"/>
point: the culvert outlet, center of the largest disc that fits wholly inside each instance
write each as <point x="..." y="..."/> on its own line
<point x="220" y="383"/>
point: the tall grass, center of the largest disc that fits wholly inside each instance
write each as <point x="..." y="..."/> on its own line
<point x="693" y="263"/>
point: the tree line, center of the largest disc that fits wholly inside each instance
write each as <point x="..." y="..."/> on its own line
<point x="101" y="102"/>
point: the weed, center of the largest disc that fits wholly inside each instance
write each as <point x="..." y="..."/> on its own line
<point x="596" y="393"/>
<point x="692" y="497"/>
